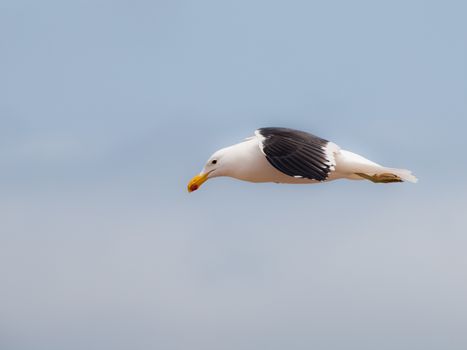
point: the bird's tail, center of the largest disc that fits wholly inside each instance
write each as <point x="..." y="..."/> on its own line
<point x="357" y="167"/>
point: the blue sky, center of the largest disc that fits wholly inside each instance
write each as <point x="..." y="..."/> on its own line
<point x="108" y="108"/>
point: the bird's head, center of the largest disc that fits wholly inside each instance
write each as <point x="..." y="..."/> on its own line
<point x="217" y="165"/>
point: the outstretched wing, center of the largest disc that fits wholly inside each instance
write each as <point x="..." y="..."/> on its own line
<point x="297" y="153"/>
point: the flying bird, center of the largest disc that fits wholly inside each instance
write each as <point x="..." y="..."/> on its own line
<point x="285" y="155"/>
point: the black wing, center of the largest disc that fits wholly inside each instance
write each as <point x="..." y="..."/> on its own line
<point x="296" y="153"/>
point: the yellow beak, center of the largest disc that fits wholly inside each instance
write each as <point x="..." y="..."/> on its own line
<point x="197" y="181"/>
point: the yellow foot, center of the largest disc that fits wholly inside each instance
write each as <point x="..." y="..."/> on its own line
<point x="381" y="178"/>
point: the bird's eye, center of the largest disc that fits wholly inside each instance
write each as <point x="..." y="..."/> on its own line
<point x="214" y="161"/>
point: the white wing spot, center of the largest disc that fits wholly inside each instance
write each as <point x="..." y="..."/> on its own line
<point x="260" y="138"/>
<point x="331" y="149"/>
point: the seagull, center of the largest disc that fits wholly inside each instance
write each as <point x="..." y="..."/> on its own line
<point x="283" y="155"/>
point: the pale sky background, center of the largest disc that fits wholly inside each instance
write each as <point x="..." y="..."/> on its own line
<point x="108" y="108"/>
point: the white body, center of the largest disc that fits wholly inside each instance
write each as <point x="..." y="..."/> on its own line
<point x="246" y="161"/>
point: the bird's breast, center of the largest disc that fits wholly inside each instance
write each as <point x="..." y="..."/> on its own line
<point x="253" y="166"/>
